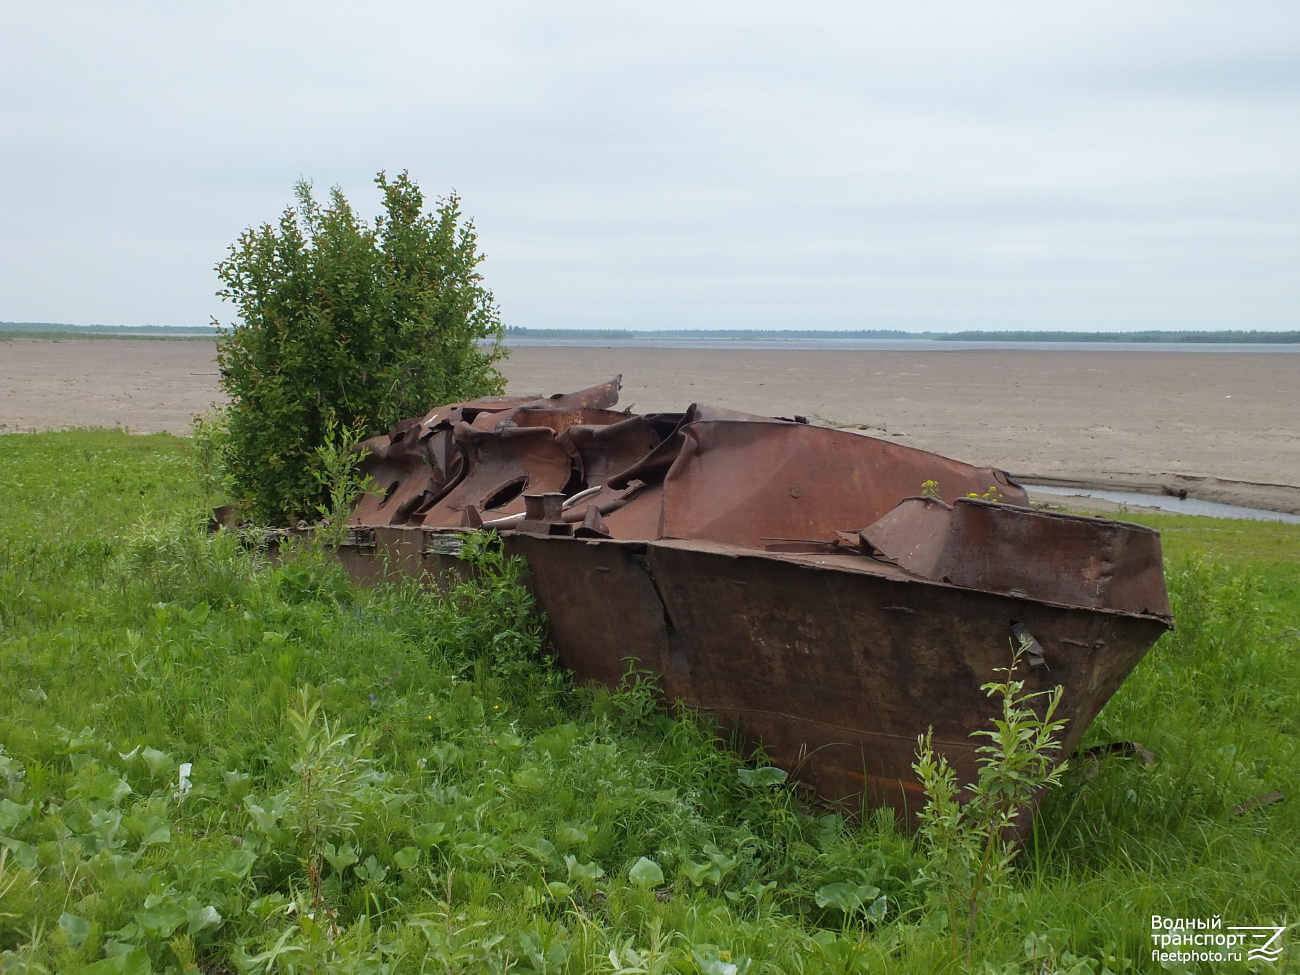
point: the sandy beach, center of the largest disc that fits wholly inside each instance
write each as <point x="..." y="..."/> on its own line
<point x="1223" y="426"/>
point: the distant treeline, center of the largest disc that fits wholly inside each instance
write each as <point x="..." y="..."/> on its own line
<point x="1224" y="337"/>
<point x="15" y="329"/>
<point x="752" y="334"/>
<point x="739" y="334"/>
<point x="19" y="329"/>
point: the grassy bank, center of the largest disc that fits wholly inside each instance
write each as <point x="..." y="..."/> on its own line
<point x="388" y="781"/>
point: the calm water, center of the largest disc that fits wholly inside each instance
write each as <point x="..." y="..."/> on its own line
<point x="1166" y="503"/>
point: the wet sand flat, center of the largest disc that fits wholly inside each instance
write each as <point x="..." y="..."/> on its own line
<point x="146" y="385"/>
<point x="1224" y="426"/>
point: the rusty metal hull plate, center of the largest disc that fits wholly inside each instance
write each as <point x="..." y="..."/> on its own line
<point x="835" y="672"/>
<point x="831" y="596"/>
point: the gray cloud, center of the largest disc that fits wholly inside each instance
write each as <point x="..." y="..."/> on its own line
<point x="1112" y="165"/>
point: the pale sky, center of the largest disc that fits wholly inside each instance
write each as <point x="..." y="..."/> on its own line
<point x="1108" y="165"/>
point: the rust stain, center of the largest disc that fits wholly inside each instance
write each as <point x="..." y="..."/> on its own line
<point x="789" y="579"/>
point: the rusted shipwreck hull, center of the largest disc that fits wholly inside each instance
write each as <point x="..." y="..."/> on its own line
<point x="789" y="579"/>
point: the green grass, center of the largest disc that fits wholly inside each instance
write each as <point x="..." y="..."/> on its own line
<point x="487" y="815"/>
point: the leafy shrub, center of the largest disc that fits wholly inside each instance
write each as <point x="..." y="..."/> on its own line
<point x="346" y="323"/>
<point x="967" y="841"/>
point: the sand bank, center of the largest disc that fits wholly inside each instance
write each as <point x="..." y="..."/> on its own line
<point x="1223" y="426"/>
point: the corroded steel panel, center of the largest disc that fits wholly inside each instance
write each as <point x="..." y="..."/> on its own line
<point x="787" y="578"/>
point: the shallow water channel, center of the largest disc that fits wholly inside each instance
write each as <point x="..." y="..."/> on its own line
<point x="1166" y="503"/>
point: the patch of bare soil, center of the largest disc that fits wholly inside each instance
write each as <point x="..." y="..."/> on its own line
<point x="1222" y="426"/>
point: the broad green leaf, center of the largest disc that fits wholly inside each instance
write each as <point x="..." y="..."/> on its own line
<point x="149" y="829"/>
<point x="543" y="849"/>
<point x="161" y="918"/>
<point x="372" y="869"/>
<point x="133" y="962"/>
<point x="407" y="857"/>
<point x="557" y="742"/>
<point x="847" y="897"/>
<point x="530" y="777"/>
<point x="234" y="779"/>
<point x="571" y="834"/>
<point x="75" y="929"/>
<point x="581" y="873"/>
<point x="203" y="918"/>
<point x="646" y="873"/>
<point x="723" y="862"/>
<point x="342" y="858"/>
<point x="266" y="819"/>
<point x="509" y="741"/>
<point x="11" y="814"/>
<point x="158" y="762"/>
<point x="428" y="834"/>
<point x="232" y="864"/>
<point x="108" y="787"/>
<point x="709" y="963"/>
<point x="559" y="890"/>
<point x="24" y="853"/>
<point x="761" y="778"/>
<point x="701" y="873"/>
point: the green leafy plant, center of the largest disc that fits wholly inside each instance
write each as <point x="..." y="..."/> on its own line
<point x="206" y="449"/>
<point x="968" y="842"/>
<point x="323" y="803"/>
<point x="339" y="473"/>
<point x="338" y="318"/>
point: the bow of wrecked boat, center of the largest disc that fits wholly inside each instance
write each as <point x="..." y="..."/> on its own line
<point x="788" y="578"/>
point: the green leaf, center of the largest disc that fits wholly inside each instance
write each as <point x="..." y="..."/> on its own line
<point x="75" y="929"/>
<point x="559" y="890"/>
<point x="879" y="907"/>
<point x="158" y="762"/>
<point x="646" y="873"/>
<point x="571" y="834"/>
<point x="234" y="779"/>
<point x="232" y="864"/>
<point x="266" y="817"/>
<point x="106" y="786"/>
<point x="428" y="835"/>
<point x="198" y="614"/>
<point x="24" y="853"/>
<point x="133" y="962"/>
<point x="11" y="814"/>
<point x="761" y="778"/>
<point x="342" y="858"/>
<point x="581" y="873"/>
<point x="372" y="869"/>
<point x="701" y="873"/>
<point x="407" y="857"/>
<point x="848" y="898"/>
<point x="203" y="918"/>
<point x="149" y="829"/>
<point x="509" y="741"/>
<point x="530" y="777"/>
<point x="161" y="917"/>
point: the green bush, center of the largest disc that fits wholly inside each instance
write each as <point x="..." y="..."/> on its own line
<point x="349" y="323"/>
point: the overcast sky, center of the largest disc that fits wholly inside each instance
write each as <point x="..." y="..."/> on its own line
<point x="677" y="165"/>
